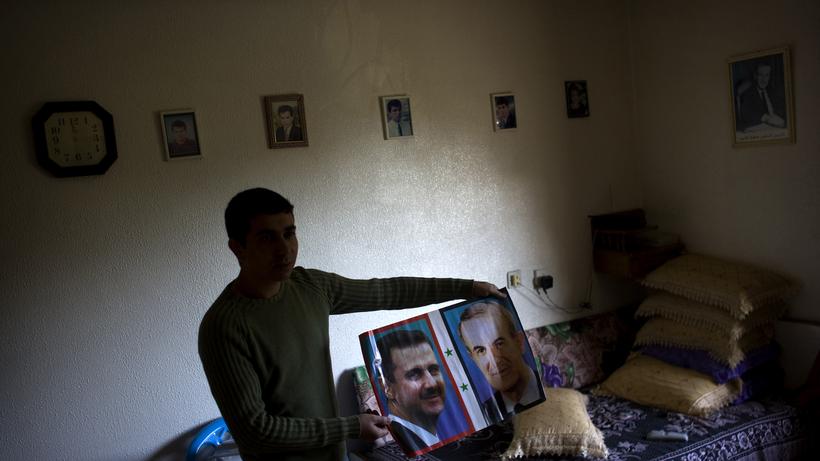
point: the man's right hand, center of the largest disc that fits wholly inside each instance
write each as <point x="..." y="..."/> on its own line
<point x="373" y="427"/>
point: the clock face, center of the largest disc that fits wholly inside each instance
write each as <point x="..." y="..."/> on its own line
<point x="75" y="138"/>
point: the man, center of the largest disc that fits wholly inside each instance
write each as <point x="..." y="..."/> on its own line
<point x="760" y="106"/>
<point x="504" y="114"/>
<point x="488" y="332"/>
<point x="395" y="126"/>
<point x="414" y="387"/>
<point x="264" y="343"/>
<point x="287" y="131"/>
<point x="181" y="143"/>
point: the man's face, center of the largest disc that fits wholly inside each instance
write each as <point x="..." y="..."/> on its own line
<point x="286" y="119"/>
<point x="762" y="75"/>
<point x="394" y="114"/>
<point x="418" y="387"/>
<point x="270" y="249"/>
<point x="502" y="111"/>
<point x="180" y="134"/>
<point x="495" y="350"/>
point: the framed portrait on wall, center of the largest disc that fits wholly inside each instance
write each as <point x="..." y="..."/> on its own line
<point x="286" y="121"/>
<point x="761" y="97"/>
<point x="577" y="98"/>
<point x="397" y="119"/>
<point x="180" y="134"/>
<point x="503" y="110"/>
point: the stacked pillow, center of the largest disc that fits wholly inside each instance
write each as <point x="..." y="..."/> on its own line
<point x="710" y="325"/>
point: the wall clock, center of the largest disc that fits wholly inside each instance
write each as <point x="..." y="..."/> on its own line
<point x="74" y="138"/>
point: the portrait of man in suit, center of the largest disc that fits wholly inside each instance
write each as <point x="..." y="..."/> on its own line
<point x="504" y="112"/>
<point x="286" y="121"/>
<point x="498" y="348"/>
<point x="761" y="96"/>
<point x="414" y="387"/>
<point x="398" y="121"/>
<point x="288" y="130"/>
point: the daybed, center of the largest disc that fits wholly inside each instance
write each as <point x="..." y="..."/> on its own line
<point x="580" y="354"/>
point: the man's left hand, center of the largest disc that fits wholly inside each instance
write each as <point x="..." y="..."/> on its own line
<point x="482" y="289"/>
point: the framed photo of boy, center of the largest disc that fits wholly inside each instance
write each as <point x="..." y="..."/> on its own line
<point x="397" y="119"/>
<point x="762" y="104"/>
<point x="503" y="109"/>
<point x="180" y="134"/>
<point x="577" y="98"/>
<point x="286" y="121"/>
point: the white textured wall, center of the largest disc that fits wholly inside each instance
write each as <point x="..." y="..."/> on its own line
<point x="105" y="278"/>
<point x="758" y="204"/>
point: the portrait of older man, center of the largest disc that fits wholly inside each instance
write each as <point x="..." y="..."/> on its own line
<point x="497" y="348"/>
<point x="414" y="387"/>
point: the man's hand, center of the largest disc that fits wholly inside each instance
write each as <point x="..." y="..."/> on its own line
<point x="482" y="289"/>
<point x="373" y="427"/>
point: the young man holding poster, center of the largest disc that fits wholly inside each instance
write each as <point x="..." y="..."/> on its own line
<point x="264" y="343"/>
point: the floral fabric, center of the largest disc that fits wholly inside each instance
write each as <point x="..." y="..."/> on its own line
<point x="581" y="352"/>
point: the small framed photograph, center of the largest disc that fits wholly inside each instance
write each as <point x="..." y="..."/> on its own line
<point x="577" y="98"/>
<point x="503" y="109"/>
<point x="286" y="121"/>
<point x="397" y="119"/>
<point x="762" y="104"/>
<point x="181" y="134"/>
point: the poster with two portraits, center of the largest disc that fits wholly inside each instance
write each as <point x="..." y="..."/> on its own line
<point x="443" y="375"/>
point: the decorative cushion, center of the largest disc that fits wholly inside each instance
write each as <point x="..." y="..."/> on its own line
<point x="664" y="332"/>
<point x="583" y="351"/>
<point x="651" y="382"/>
<point x="701" y="361"/>
<point x="558" y="426"/>
<point x="366" y="397"/>
<point x="739" y="288"/>
<point x="702" y="315"/>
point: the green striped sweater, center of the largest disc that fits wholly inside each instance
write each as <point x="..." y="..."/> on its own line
<point x="268" y="360"/>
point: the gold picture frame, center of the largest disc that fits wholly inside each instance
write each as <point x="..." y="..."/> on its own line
<point x="761" y="97"/>
<point x="286" y="122"/>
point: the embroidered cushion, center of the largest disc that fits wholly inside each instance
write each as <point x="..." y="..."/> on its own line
<point x="701" y="315"/>
<point x="583" y="351"/>
<point x="366" y="397"/>
<point x="700" y="360"/>
<point x="649" y="381"/>
<point x="736" y="287"/>
<point x="664" y="332"/>
<point x="558" y="426"/>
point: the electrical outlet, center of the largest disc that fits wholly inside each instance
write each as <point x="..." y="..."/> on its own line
<point x="514" y="279"/>
<point x="541" y="279"/>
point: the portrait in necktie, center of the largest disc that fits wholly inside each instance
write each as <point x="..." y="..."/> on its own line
<point x="497" y="357"/>
<point x="396" y="116"/>
<point x="761" y="97"/>
<point x="286" y="120"/>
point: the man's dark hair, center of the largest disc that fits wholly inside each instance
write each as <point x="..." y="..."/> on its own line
<point x="393" y="103"/>
<point x="285" y="108"/>
<point x="398" y="339"/>
<point x="179" y="124"/>
<point x="502" y="100"/>
<point x="248" y="204"/>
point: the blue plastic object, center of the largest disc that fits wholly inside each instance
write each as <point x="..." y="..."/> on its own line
<point x="211" y="436"/>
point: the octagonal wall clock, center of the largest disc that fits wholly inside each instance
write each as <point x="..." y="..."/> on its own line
<point x="74" y="138"/>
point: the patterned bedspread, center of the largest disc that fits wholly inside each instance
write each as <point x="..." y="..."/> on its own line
<point x="755" y="430"/>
